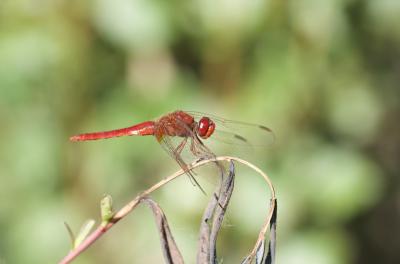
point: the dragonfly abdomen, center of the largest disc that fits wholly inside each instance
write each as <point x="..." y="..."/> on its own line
<point x="142" y="129"/>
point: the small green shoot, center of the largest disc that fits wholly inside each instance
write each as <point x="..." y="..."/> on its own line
<point x="106" y="209"/>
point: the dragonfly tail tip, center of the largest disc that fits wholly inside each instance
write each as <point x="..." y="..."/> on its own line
<point x="74" y="138"/>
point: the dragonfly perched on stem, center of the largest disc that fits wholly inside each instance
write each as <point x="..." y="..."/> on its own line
<point x="192" y="128"/>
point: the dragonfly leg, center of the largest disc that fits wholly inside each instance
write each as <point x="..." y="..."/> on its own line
<point x="177" y="151"/>
<point x="194" y="181"/>
<point x="180" y="147"/>
<point x="195" y="150"/>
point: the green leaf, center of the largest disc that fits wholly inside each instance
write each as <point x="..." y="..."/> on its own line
<point x="83" y="232"/>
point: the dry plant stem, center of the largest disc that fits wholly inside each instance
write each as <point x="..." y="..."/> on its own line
<point x="264" y="229"/>
<point x="101" y="229"/>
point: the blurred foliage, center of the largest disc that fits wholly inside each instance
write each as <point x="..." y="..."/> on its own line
<point x="323" y="74"/>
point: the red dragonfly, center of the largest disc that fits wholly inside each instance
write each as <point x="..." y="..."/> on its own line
<point x="188" y="126"/>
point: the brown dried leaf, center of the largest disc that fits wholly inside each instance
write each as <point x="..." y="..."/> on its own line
<point x="215" y="211"/>
<point x="170" y="250"/>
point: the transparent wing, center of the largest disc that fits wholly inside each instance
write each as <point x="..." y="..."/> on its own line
<point x="238" y="133"/>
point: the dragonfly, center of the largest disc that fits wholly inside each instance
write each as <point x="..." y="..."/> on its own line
<point x="191" y="129"/>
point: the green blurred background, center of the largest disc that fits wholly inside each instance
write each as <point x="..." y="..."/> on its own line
<point x="323" y="74"/>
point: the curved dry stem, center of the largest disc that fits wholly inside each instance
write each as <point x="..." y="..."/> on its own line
<point x="103" y="228"/>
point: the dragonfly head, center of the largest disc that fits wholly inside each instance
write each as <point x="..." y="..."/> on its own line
<point x="205" y="127"/>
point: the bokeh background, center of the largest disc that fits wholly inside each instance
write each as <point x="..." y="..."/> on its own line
<point x="324" y="75"/>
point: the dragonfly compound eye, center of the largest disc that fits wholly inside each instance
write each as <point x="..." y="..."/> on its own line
<point x="206" y="127"/>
